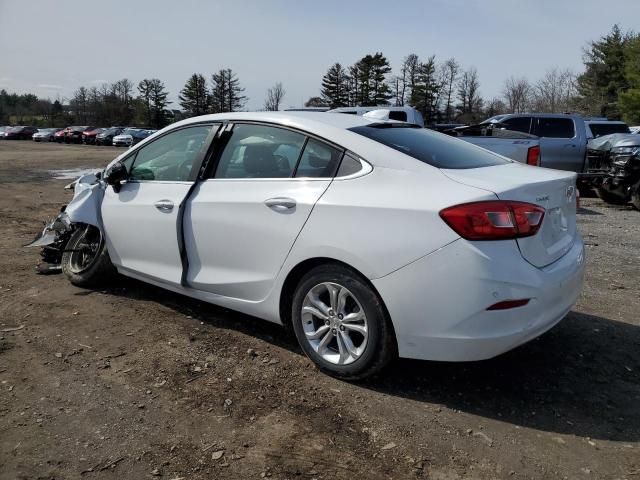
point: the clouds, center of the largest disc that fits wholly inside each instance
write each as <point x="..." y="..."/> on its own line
<point x="48" y="86"/>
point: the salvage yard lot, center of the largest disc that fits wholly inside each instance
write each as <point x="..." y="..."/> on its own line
<point x="135" y="382"/>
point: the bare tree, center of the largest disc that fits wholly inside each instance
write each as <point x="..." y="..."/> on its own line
<point x="517" y="93"/>
<point x="555" y="91"/>
<point x="449" y="71"/>
<point x="404" y="83"/>
<point x="274" y="97"/>
<point x="469" y="95"/>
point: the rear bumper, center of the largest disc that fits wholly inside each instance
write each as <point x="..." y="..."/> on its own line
<point x="438" y="304"/>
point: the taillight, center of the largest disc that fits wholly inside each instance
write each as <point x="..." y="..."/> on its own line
<point x="494" y="219"/>
<point x="533" y="156"/>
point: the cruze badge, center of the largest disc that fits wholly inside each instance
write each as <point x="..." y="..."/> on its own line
<point x="569" y="193"/>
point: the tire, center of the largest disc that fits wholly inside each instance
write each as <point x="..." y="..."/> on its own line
<point x="635" y="196"/>
<point x="610" y="197"/>
<point x="371" y="352"/>
<point x="89" y="268"/>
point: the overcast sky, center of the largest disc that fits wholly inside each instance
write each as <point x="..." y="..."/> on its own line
<point x="52" y="47"/>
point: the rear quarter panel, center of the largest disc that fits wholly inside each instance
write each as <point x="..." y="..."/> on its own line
<point x="382" y="221"/>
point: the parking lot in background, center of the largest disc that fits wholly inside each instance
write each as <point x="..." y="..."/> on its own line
<point x="138" y="382"/>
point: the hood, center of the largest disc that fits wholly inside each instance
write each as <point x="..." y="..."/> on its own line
<point x="607" y="142"/>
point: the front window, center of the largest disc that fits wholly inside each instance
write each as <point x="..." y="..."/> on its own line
<point x="172" y="156"/>
<point x="433" y="148"/>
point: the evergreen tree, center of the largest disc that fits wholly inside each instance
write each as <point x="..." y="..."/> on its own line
<point x="226" y="92"/>
<point x="335" y="87"/>
<point x="630" y="100"/>
<point x="370" y="82"/>
<point x="194" y="96"/>
<point x="144" y="87"/>
<point x="425" y="90"/>
<point x="159" y="102"/>
<point x="604" y="75"/>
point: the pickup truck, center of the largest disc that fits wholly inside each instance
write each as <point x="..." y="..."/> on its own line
<point x="518" y="146"/>
<point x="563" y="137"/>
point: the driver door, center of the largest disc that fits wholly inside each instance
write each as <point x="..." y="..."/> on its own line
<point x="142" y="220"/>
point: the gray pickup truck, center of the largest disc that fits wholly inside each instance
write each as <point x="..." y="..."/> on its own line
<point x="563" y="137"/>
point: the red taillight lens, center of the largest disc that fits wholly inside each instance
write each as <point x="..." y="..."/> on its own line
<point x="533" y="156"/>
<point x="508" y="304"/>
<point x="494" y="220"/>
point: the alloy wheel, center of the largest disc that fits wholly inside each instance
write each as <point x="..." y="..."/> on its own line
<point x="334" y="323"/>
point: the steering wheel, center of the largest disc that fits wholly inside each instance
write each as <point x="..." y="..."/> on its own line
<point x="184" y="169"/>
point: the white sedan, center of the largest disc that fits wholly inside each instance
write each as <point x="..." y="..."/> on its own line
<point x="370" y="239"/>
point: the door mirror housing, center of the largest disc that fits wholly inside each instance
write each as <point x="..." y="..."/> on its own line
<point x="115" y="175"/>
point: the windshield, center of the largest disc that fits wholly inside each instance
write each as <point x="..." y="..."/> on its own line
<point x="600" y="129"/>
<point x="436" y="149"/>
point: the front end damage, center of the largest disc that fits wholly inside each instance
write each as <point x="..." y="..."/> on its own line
<point x="83" y="209"/>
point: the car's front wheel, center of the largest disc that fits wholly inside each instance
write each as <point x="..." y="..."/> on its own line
<point x="85" y="261"/>
<point x="341" y="323"/>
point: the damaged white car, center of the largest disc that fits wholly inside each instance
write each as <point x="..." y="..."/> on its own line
<point x="369" y="238"/>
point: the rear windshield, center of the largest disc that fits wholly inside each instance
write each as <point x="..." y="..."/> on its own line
<point x="436" y="149"/>
<point x="600" y="129"/>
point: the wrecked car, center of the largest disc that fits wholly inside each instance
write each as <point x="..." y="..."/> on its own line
<point x="614" y="162"/>
<point x="369" y="238"/>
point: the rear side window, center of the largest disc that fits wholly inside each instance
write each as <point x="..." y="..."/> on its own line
<point x="555" y="128"/>
<point x="349" y="166"/>
<point x="518" y="124"/>
<point x="436" y="149"/>
<point x="318" y="160"/>
<point x="398" y="115"/>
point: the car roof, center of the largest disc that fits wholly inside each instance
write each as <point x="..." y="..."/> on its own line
<point x="313" y="122"/>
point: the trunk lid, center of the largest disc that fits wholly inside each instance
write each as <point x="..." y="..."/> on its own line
<point x="553" y="190"/>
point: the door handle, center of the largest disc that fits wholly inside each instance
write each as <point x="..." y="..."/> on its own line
<point x="164" y="205"/>
<point x="280" y="204"/>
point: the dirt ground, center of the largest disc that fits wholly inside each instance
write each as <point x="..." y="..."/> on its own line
<point x="134" y="382"/>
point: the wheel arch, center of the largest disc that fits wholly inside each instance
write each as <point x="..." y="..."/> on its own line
<point x="298" y="271"/>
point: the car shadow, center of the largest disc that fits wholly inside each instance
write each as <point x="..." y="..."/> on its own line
<point x="587" y="211"/>
<point x="580" y="378"/>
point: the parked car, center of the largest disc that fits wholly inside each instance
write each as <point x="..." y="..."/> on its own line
<point x="74" y="134"/>
<point x="614" y="161"/>
<point x="89" y="135"/>
<point x="60" y="135"/>
<point x="635" y="130"/>
<point x="563" y="138"/>
<point x="518" y="146"/>
<point x="19" y="133"/>
<point x="45" y="134"/>
<point x="401" y="114"/>
<point x="106" y="136"/>
<point x="370" y="239"/>
<point x="599" y="128"/>
<point x="131" y="136"/>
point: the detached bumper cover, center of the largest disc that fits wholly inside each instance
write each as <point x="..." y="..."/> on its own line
<point x="438" y="304"/>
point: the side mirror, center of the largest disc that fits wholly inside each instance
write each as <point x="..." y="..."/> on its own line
<point x="115" y="175"/>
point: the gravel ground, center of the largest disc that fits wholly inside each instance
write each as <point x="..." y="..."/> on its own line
<point x="134" y="382"/>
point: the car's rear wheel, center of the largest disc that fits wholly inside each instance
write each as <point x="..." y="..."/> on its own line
<point x="341" y="323"/>
<point x="86" y="262"/>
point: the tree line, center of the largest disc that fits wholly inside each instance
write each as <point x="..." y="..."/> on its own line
<point x="443" y="91"/>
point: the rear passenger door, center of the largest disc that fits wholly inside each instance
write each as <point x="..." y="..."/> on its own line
<point x="560" y="146"/>
<point x="241" y="223"/>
